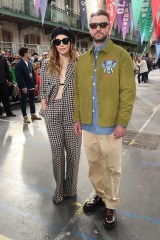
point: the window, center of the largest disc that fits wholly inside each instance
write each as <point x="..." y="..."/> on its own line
<point x="31" y="39"/>
<point x="6" y="36"/>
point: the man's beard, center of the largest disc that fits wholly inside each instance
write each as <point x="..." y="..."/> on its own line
<point x="102" y="39"/>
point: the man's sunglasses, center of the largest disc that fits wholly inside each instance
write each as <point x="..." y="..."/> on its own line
<point x="101" y="25"/>
<point x="57" y="42"/>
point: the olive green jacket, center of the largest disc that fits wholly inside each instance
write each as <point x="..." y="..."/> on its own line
<point x="115" y="86"/>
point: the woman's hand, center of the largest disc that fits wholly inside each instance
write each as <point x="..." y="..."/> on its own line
<point x="77" y="128"/>
<point x="43" y="104"/>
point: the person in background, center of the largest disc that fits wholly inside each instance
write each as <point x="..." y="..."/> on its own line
<point x="2" y="53"/>
<point x="56" y="93"/>
<point x="149" y="64"/>
<point x="1" y="112"/>
<point x="9" y="55"/>
<point x="157" y="64"/>
<point x="16" y="92"/>
<point x="37" y="67"/>
<point x="44" y="57"/>
<point x="34" y="58"/>
<point x="17" y="58"/>
<point x="5" y="81"/>
<point x="136" y="68"/>
<point x="143" y="70"/>
<point x="27" y="83"/>
<point x="104" y="93"/>
<point x="12" y="72"/>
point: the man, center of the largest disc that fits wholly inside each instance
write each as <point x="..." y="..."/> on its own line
<point x="17" y="58"/>
<point x="26" y="82"/>
<point x="34" y="58"/>
<point x="44" y="56"/>
<point x="158" y="63"/>
<point x="149" y="65"/>
<point x="103" y="100"/>
<point x="5" y="81"/>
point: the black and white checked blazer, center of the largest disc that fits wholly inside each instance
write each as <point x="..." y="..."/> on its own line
<point x="49" y="87"/>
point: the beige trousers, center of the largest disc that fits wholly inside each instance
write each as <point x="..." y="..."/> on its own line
<point x="104" y="158"/>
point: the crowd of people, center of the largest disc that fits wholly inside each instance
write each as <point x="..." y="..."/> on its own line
<point x="93" y="94"/>
<point x="13" y="92"/>
<point x="143" y="65"/>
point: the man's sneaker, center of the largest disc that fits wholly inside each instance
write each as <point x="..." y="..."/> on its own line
<point x="35" y="117"/>
<point x="26" y="119"/>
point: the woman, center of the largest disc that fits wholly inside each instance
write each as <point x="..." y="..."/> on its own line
<point x="143" y="70"/>
<point x="37" y="68"/>
<point x="56" y="92"/>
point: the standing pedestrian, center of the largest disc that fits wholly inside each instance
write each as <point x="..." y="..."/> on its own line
<point x="56" y="92"/>
<point x="104" y="94"/>
<point x="157" y="63"/>
<point x="27" y="83"/>
<point x="5" y="81"/>
<point x="143" y="70"/>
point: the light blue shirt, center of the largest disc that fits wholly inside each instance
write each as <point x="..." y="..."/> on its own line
<point x="93" y="127"/>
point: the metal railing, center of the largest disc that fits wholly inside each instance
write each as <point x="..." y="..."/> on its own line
<point x="14" y="48"/>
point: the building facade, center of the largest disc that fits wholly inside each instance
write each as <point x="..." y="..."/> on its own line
<point x="20" y="26"/>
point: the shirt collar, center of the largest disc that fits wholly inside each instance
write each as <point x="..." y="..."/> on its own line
<point x="97" y="49"/>
<point x="106" y="48"/>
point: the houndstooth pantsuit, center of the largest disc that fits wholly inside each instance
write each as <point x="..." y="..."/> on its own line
<point x="65" y="145"/>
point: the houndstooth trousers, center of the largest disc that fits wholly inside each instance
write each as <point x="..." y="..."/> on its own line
<point x="65" y="146"/>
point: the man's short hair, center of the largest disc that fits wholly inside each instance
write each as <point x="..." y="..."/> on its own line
<point x="22" y="51"/>
<point x="35" y="54"/>
<point x="100" y="12"/>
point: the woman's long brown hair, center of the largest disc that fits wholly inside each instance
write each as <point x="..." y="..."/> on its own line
<point x="54" y="66"/>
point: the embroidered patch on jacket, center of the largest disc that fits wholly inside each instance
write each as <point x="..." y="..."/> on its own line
<point x="108" y="66"/>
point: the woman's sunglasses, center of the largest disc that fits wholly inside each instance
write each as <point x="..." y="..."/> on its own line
<point x="101" y="25"/>
<point x="57" y="42"/>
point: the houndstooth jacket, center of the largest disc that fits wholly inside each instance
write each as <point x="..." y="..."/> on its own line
<point x="49" y="87"/>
